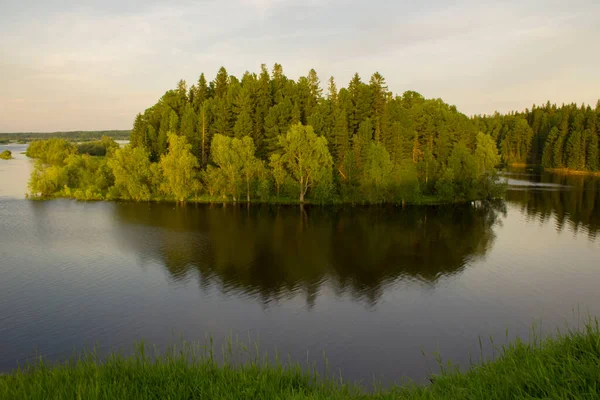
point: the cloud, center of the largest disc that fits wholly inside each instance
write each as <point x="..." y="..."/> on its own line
<point x="95" y="64"/>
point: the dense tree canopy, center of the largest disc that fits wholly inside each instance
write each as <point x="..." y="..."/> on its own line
<point x="555" y="137"/>
<point x="268" y="137"/>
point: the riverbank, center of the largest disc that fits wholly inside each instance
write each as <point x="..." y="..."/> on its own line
<point x="565" y="366"/>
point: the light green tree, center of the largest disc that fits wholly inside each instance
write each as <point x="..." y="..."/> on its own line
<point x="377" y="172"/>
<point x="306" y="157"/>
<point x="46" y="180"/>
<point x="464" y="170"/>
<point x="229" y="162"/>
<point x="250" y="166"/>
<point x="179" y="169"/>
<point x="278" y="171"/>
<point x="486" y="154"/>
<point x="131" y="168"/>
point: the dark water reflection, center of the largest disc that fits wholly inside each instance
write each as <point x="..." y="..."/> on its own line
<point x="272" y="252"/>
<point x="569" y="201"/>
<point x="371" y="287"/>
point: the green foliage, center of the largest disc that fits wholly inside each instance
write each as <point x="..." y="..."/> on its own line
<point x="376" y="147"/>
<point x="377" y="177"/>
<point x="46" y="179"/>
<point x="178" y="168"/>
<point x="553" y="136"/>
<point x="52" y="151"/>
<point x="98" y="148"/>
<point x="486" y="154"/>
<point x="237" y="164"/>
<point x="305" y="157"/>
<point x="6" y="155"/>
<point x="560" y="367"/>
<point x="464" y="171"/>
<point x="132" y="172"/>
<point x="278" y="171"/>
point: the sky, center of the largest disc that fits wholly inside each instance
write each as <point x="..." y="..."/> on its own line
<point x="93" y="65"/>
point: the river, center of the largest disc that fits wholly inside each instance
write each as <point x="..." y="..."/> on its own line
<point x="372" y="287"/>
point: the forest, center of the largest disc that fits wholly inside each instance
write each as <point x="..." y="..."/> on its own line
<point x="268" y="138"/>
<point x="554" y="137"/>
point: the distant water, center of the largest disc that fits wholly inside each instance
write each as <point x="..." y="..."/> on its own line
<point x="370" y="286"/>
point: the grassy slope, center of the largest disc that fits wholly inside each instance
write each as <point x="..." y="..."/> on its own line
<point x="567" y="367"/>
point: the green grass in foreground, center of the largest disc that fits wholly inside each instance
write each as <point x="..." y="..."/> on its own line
<point x="565" y="367"/>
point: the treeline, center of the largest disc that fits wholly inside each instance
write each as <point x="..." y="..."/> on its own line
<point x="74" y="136"/>
<point x="266" y="137"/>
<point x="552" y="136"/>
<point x="379" y="147"/>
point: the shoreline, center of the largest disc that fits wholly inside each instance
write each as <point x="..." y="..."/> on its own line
<point x="283" y="202"/>
<point x="560" y="366"/>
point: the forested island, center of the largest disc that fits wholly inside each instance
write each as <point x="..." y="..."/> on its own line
<point x="268" y="138"/>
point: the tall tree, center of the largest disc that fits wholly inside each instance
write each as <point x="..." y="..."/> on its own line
<point x="178" y="167"/>
<point x="221" y="83"/>
<point x="132" y="172"/>
<point x="306" y="157"/>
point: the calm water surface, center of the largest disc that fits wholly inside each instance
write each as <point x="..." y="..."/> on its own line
<point x="371" y="287"/>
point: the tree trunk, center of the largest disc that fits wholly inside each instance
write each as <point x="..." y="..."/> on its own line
<point x="248" y="190"/>
<point x="203" y="140"/>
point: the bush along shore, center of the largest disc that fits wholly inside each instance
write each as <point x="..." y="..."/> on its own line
<point x="6" y="155"/>
<point x="301" y="173"/>
<point x="561" y="367"/>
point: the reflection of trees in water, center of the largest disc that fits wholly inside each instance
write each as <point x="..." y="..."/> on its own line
<point x="576" y="207"/>
<point x="271" y="253"/>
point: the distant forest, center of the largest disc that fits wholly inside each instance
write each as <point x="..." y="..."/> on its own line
<point x="548" y="135"/>
<point x="74" y="136"/>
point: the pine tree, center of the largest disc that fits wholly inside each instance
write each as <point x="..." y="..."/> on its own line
<point x="573" y="151"/>
<point x="379" y="93"/>
<point x="592" y="160"/>
<point x="548" y="154"/>
<point x="341" y="144"/>
<point x="222" y="117"/>
<point x="263" y="104"/>
<point x="332" y="92"/>
<point x="204" y="121"/>
<point x="243" y="126"/>
<point x="314" y="92"/>
<point x="278" y="83"/>
<point x="361" y="103"/>
<point x="221" y="83"/>
<point x="188" y="128"/>
<point x="277" y="123"/>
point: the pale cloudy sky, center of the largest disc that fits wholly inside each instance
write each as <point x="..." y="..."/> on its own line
<point x="87" y="64"/>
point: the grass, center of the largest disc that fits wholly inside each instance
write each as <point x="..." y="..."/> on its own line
<point x="566" y="366"/>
